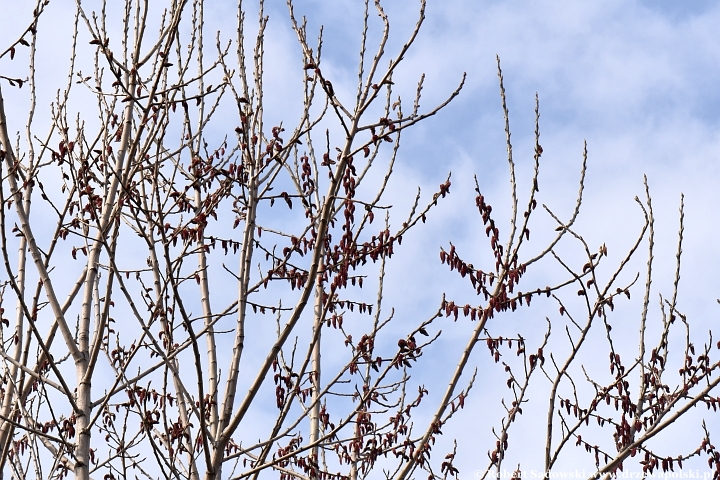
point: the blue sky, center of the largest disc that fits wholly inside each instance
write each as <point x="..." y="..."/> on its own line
<point x="637" y="80"/>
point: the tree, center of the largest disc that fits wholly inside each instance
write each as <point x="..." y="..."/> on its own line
<point x="182" y="243"/>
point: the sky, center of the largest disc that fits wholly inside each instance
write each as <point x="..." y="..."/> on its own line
<point x="636" y="80"/>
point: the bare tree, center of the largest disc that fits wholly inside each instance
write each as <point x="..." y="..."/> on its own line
<point x="178" y="230"/>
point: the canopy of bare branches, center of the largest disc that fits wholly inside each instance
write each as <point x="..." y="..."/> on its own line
<point x="193" y="278"/>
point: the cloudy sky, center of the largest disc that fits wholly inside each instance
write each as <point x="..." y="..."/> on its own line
<point x="638" y="80"/>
